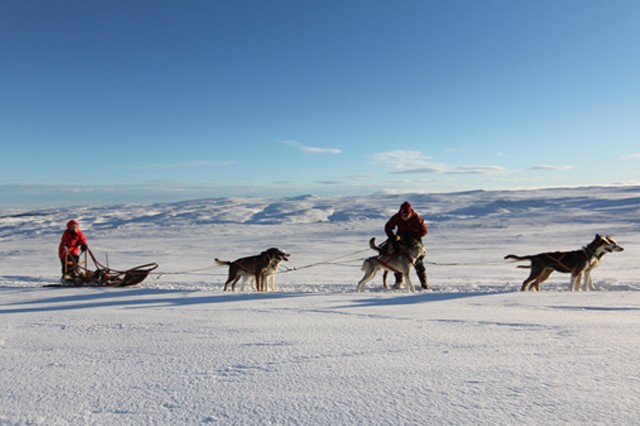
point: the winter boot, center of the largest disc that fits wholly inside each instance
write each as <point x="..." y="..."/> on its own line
<point x="422" y="275"/>
<point x="399" y="283"/>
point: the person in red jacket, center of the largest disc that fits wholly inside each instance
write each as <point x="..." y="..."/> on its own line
<point x="72" y="243"/>
<point x="409" y="226"/>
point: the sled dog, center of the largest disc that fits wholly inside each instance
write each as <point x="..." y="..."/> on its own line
<point x="588" y="279"/>
<point x="577" y="263"/>
<point x="384" y="249"/>
<point x="258" y="266"/>
<point x="269" y="275"/>
<point x="388" y="260"/>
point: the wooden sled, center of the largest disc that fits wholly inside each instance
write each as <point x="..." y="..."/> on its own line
<point x="79" y="275"/>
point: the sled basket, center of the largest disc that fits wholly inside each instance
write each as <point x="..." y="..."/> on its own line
<point x="133" y="276"/>
<point x="104" y="276"/>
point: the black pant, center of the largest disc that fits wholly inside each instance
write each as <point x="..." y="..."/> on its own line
<point x="419" y="265"/>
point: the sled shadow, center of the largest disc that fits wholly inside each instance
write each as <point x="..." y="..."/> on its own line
<point x="97" y="297"/>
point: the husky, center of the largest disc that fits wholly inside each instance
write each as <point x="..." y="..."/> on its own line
<point x="269" y="275"/>
<point x="258" y="266"/>
<point x="395" y="261"/>
<point x="577" y="263"/>
<point x="588" y="280"/>
<point x="386" y="248"/>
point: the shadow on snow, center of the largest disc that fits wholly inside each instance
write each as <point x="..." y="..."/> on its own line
<point x="146" y="298"/>
<point x="111" y="297"/>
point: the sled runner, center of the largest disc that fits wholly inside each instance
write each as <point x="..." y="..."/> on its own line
<point x="79" y="275"/>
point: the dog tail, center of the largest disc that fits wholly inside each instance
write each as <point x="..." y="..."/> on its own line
<point x="517" y="258"/>
<point x="222" y="262"/>
<point x="380" y="249"/>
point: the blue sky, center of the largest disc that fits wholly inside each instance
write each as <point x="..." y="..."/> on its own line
<point x="125" y="101"/>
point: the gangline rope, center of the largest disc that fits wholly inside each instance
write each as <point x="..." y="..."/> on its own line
<point x="335" y="261"/>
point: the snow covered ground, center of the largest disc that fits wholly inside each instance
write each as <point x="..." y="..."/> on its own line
<point x="178" y="350"/>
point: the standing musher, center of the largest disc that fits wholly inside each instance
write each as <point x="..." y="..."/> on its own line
<point x="410" y="227"/>
<point x="72" y="243"/>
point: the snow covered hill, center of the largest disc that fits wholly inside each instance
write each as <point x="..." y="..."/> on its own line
<point x="585" y="205"/>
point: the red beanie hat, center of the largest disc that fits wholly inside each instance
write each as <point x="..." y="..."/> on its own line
<point x="406" y="207"/>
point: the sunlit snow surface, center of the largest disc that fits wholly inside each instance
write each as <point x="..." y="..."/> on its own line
<point x="178" y="350"/>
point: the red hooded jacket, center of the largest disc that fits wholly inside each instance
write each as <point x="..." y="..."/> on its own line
<point x="71" y="240"/>
<point x="414" y="225"/>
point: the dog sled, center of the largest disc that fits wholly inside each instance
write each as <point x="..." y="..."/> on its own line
<point x="80" y="275"/>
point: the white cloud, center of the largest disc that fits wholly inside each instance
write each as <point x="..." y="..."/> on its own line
<point x="359" y="177"/>
<point x="180" y="166"/>
<point x="408" y="162"/>
<point x="329" y="182"/>
<point x="634" y="156"/>
<point x="312" y="149"/>
<point x="477" y="170"/>
<point x="421" y="170"/>
<point x="413" y="162"/>
<point x="551" y="168"/>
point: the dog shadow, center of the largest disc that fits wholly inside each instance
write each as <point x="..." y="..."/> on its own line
<point x="415" y="298"/>
<point x="98" y="297"/>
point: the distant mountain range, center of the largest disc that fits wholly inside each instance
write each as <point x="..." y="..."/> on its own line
<point x="585" y="204"/>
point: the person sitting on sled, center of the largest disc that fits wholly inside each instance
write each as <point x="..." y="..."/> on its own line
<point x="410" y="229"/>
<point x="73" y="242"/>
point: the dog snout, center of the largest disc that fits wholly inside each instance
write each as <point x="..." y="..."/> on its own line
<point x="284" y="255"/>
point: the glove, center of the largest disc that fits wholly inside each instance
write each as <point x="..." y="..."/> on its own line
<point x="395" y="242"/>
<point x="83" y="248"/>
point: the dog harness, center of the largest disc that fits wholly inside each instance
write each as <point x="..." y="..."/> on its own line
<point x="241" y="266"/>
<point x="386" y="265"/>
<point x="585" y="252"/>
<point x="559" y="260"/>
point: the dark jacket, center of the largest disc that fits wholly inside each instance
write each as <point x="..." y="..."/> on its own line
<point x="412" y="227"/>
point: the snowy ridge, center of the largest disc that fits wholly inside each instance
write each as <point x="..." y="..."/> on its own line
<point x="620" y="204"/>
